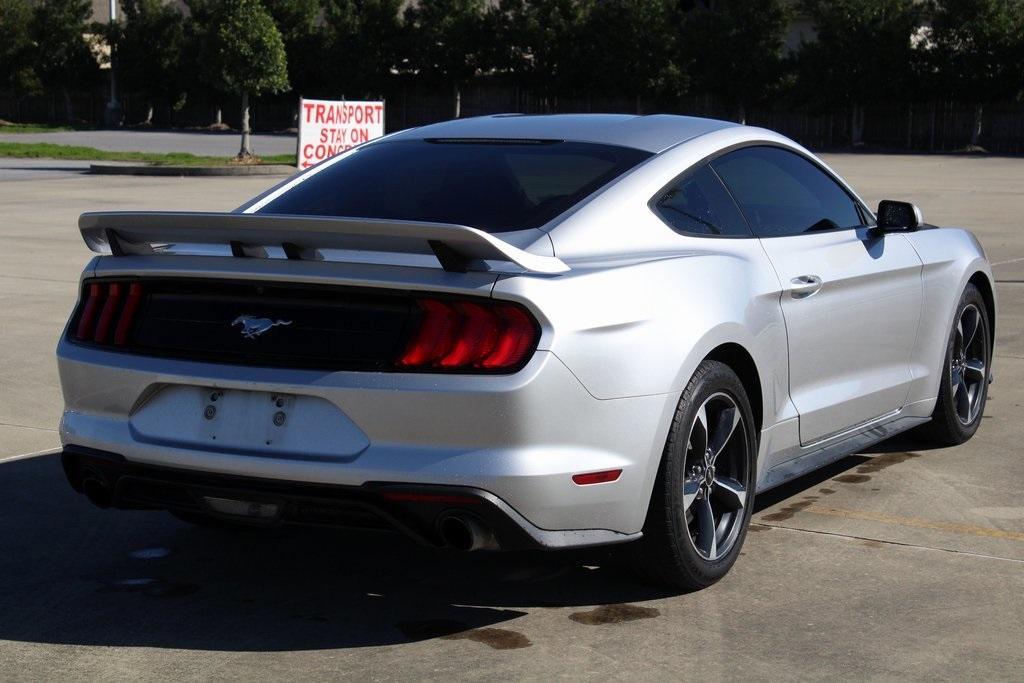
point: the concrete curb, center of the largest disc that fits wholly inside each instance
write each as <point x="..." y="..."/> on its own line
<point x="145" y="169"/>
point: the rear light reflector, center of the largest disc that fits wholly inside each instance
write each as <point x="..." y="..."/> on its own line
<point x="596" y="477"/>
<point x="108" y="312"/>
<point x="468" y="335"/>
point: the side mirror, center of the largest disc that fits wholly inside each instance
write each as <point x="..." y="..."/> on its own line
<point x="898" y="216"/>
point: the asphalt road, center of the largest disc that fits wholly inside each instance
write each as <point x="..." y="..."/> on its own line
<point x="205" y="143"/>
<point x="902" y="562"/>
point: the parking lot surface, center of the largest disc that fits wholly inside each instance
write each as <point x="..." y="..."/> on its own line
<point x="901" y="562"/>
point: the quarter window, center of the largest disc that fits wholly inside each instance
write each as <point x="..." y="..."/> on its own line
<point x="781" y="193"/>
<point x="698" y="203"/>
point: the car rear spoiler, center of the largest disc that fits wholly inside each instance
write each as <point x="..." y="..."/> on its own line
<point x="457" y="247"/>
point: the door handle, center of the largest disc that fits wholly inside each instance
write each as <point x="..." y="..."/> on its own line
<point x="803" y="286"/>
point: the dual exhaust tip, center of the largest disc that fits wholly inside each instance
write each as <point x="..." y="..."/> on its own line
<point x="96" y="488"/>
<point x="465" y="532"/>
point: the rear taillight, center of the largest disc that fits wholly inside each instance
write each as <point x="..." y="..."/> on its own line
<point x="470" y="335"/>
<point x="108" y="312"/>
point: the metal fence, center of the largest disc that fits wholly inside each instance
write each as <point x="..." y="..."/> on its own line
<point x="924" y="126"/>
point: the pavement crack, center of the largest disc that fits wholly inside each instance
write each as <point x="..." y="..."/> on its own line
<point x="855" y="537"/>
<point x="41" y="429"/>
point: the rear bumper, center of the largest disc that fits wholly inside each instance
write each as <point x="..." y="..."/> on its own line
<point x="414" y="510"/>
<point x="520" y="438"/>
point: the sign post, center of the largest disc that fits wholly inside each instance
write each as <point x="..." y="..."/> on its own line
<point x="328" y="127"/>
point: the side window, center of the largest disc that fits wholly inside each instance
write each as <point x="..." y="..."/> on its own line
<point x="781" y="193"/>
<point x="698" y="204"/>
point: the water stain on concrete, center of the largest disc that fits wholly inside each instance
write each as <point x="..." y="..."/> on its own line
<point x="852" y="478"/>
<point x="614" y="614"/>
<point x="756" y="528"/>
<point x="788" y="511"/>
<point x="872" y="544"/>
<point x="826" y="492"/>
<point x="496" y="638"/>
<point x="449" y="629"/>
<point x="880" y="462"/>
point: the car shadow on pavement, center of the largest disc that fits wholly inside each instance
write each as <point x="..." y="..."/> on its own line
<point x="74" y="574"/>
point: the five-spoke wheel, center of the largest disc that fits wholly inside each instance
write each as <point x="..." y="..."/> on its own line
<point x="714" y="494"/>
<point x="964" y="386"/>
<point x="967" y="369"/>
<point x="703" y="494"/>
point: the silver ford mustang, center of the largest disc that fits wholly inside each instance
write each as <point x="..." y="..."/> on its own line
<point x="517" y="332"/>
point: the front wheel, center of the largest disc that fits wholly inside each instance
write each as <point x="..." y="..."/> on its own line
<point x="963" y="388"/>
<point x="704" y="492"/>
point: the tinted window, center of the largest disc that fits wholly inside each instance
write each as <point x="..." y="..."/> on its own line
<point x="781" y="193"/>
<point x="697" y="203"/>
<point x="490" y="185"/>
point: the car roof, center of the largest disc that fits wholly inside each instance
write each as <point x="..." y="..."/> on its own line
<point x="652" y="133"/>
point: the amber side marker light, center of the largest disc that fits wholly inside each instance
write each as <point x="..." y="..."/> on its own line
<point x="602" y="477"/>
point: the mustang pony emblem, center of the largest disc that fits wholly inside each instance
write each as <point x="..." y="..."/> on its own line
<point x="253" y="327"/>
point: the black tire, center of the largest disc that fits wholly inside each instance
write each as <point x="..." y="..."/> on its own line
<point x="948" y="426"/>
<point x="668" y="552"/>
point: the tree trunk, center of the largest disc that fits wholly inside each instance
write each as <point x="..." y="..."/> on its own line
<point x="979" y="113"/>
<point x="149" y="114"/>
<point x="741" y="114"/>
<point x="218" y="118"/>
<point x="246" y="149"/>
<point x="457" y="92"/>
<point x="857" y="125"/>
<point x="69" y="109"/>
<point x="639" y="106"/>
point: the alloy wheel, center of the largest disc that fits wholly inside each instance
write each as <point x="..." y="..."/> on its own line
<point x="967" y="367"/>
<point x="714" y="489"/>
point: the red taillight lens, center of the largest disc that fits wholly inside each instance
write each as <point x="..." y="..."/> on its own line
<point x="436" y="335"/>
<point x="518" y="336"/>
<point x="97" y="293"/>
<point x="108" y="311"/>
<point x="131" y="307"/>
<point x="462" y="335"/>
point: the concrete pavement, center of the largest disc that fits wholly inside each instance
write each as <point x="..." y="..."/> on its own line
<point x="903" y="562"/>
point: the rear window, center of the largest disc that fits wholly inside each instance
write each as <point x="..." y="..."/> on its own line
<point x="497" y="186"/>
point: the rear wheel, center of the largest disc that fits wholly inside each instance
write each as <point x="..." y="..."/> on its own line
<point x="963" y="389"/>
<point x="704" y="492"/>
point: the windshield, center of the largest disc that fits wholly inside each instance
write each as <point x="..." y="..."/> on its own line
<point x="497" y="186"/>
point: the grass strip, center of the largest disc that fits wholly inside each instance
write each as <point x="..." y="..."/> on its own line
<point x="46" y="150"/>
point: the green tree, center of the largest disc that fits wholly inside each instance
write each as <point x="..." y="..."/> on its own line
<point x="17" y="71"/>
<point x="629" y="48"/>
<point x="864" y="48"/>
<point x="977" y="47"/>
<point x="364" y="45"/>
<point x="148" y="43"/>
<point x="244" y="55"/>
<point x="736" y="49"/>
<point x="538" y="44"/>
<point x="63" y="57"/>
<point x="445" y="43"/>
<point x="304" y="43"/>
